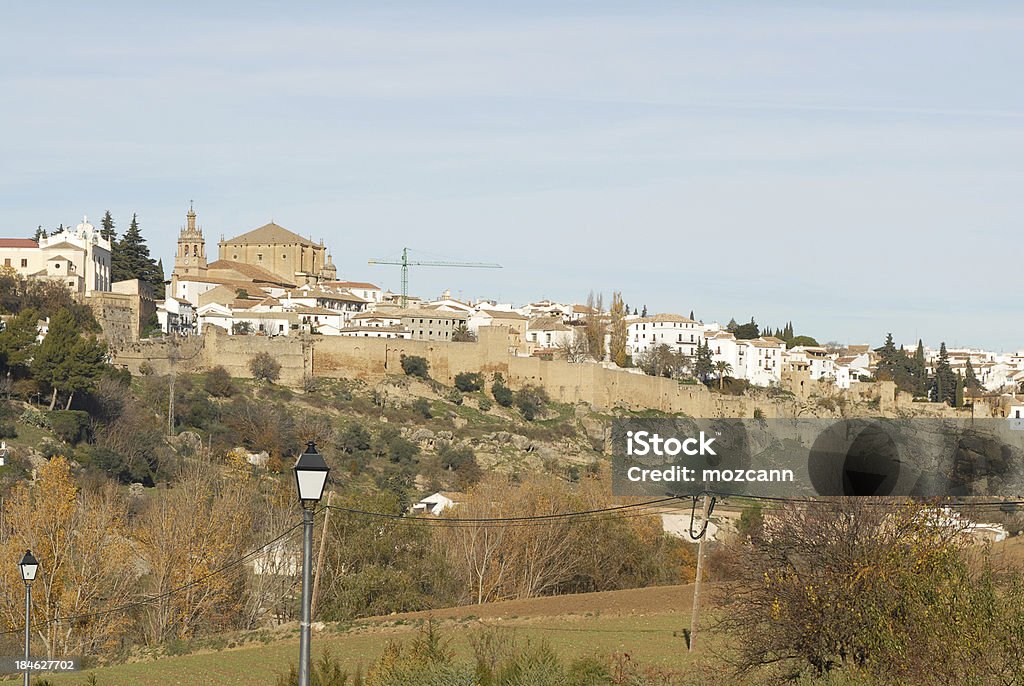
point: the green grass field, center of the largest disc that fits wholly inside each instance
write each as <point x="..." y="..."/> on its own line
<point x="646" y="623"/>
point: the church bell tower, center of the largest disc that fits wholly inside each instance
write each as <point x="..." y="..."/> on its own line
<point x="190" y="260"/>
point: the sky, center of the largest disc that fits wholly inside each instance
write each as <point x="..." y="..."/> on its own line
<point x="851" y="167"/>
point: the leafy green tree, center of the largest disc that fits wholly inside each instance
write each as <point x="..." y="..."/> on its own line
<point x="107" y="227"/>
<point x="67" y="361"/>
<point x="801" y="340"/>
<point x="747" y="331"/>
<point x="17" y="341"/>
<point x="131" y="259"/>
<point x="414" y="365"/>
<point x="467" y="382"/>
<point x="265" y="367"/>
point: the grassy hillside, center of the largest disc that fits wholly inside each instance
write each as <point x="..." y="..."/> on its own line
<point x="646" y="623"/>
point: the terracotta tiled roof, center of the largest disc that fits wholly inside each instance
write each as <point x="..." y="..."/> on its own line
<point x="18" y="243"/>
<point x="271" y="234"/>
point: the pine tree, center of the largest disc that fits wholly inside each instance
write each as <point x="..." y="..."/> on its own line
<point x="131" y="259"/>
<point x="691" y="316"/>
<point x="39" y="234"/>
<point x="17" y="341"/>
<point x="644" y="312"/>
<point x="731" y="326"/>
<point x="107" y="227"/>
<point x="66" y="361"/>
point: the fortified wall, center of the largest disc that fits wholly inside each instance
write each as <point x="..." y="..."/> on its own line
<point x="373" y="359"/>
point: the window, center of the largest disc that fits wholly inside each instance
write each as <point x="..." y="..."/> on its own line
<point x="7" y="261"/>
<point x="259" y="257"/>
<point x="24" y="262"/>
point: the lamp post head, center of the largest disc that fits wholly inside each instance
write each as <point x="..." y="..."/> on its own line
<point x="29" y="567"/>
<point x="310" y="475"/>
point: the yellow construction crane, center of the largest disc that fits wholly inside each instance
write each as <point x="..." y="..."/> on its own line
<point x="405" y="263"/>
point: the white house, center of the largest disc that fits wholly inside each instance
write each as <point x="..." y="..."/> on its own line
<point x="437" y="503"/>
<point x="758" y="360"/>
<point x="679" y="333"/>
<point x="549" y="332"/>
<point x="176" y="316"/>
<point x="367" y="291"/>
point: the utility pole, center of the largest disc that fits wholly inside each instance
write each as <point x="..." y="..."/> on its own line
<point x="700" y="571"/>
<point x="320" y="556"/>
<point x="172" y="355"/>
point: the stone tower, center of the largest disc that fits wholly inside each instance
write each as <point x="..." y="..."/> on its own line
<point x="190" y="260"/>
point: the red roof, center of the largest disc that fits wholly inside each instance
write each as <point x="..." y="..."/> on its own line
<point x="18" y="243"/>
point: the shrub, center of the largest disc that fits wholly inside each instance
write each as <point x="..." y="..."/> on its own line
<point x="264" y="367"/>
<point x="467" y="382"/>
<point x="484" y="405"/>
<point x="502" y="394"/>
<point x="414" y="365"/>
<point x="146" y="369"/>
<point x="218" y="383"/>
<point x="531" y="401"/>
<point x="354" y="438"/>
<point x="454" y="396"/>
<point x="35" y="417"/>
<point x="70" y="426"/>
<point x="421" y="406"/>
<point x="8" y="430"/>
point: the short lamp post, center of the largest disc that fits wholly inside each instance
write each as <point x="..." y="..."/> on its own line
<point x="310" y="478"/>
<point x="29" y="566"/>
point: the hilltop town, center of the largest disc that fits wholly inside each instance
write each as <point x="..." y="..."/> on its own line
<point x="272" y="282"/>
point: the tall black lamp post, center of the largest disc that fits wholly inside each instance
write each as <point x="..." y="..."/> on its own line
<point x="29" y="566"/>
<point x="310" y="478"/>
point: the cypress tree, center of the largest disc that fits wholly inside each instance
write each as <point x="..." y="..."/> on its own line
<point x="920" y="370"/>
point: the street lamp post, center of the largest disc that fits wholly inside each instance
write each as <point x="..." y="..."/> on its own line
<point x="310" y="478"/>
<point x="29" y="565"/>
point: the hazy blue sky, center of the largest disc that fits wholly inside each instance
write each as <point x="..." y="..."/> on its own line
<point x="856" y="169"/>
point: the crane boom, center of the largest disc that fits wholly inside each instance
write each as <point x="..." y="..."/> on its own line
<point x="405" y="263"/>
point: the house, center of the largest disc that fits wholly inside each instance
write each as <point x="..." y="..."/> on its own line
<point x="679" y="333"/>
<point x="367" y="291"/>
<point x="757" y="360"/>
<point x="437" y="503"/>
<point x="549" y="332"/>
<point x="176" y="316"/>
<point x="813" y="359"/>
<point x="488" y="317"/>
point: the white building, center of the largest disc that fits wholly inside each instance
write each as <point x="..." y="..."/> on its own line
<point x="679" y="333"/>
<point x="758" y="360"/>
<point x="549" y="332"/>
<point x="367" y="291"/>
<point x="79" y="258"/>
<point x="176" y="316"/>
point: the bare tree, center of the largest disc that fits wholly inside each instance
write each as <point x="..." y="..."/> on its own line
<point x="576" y="350"/>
